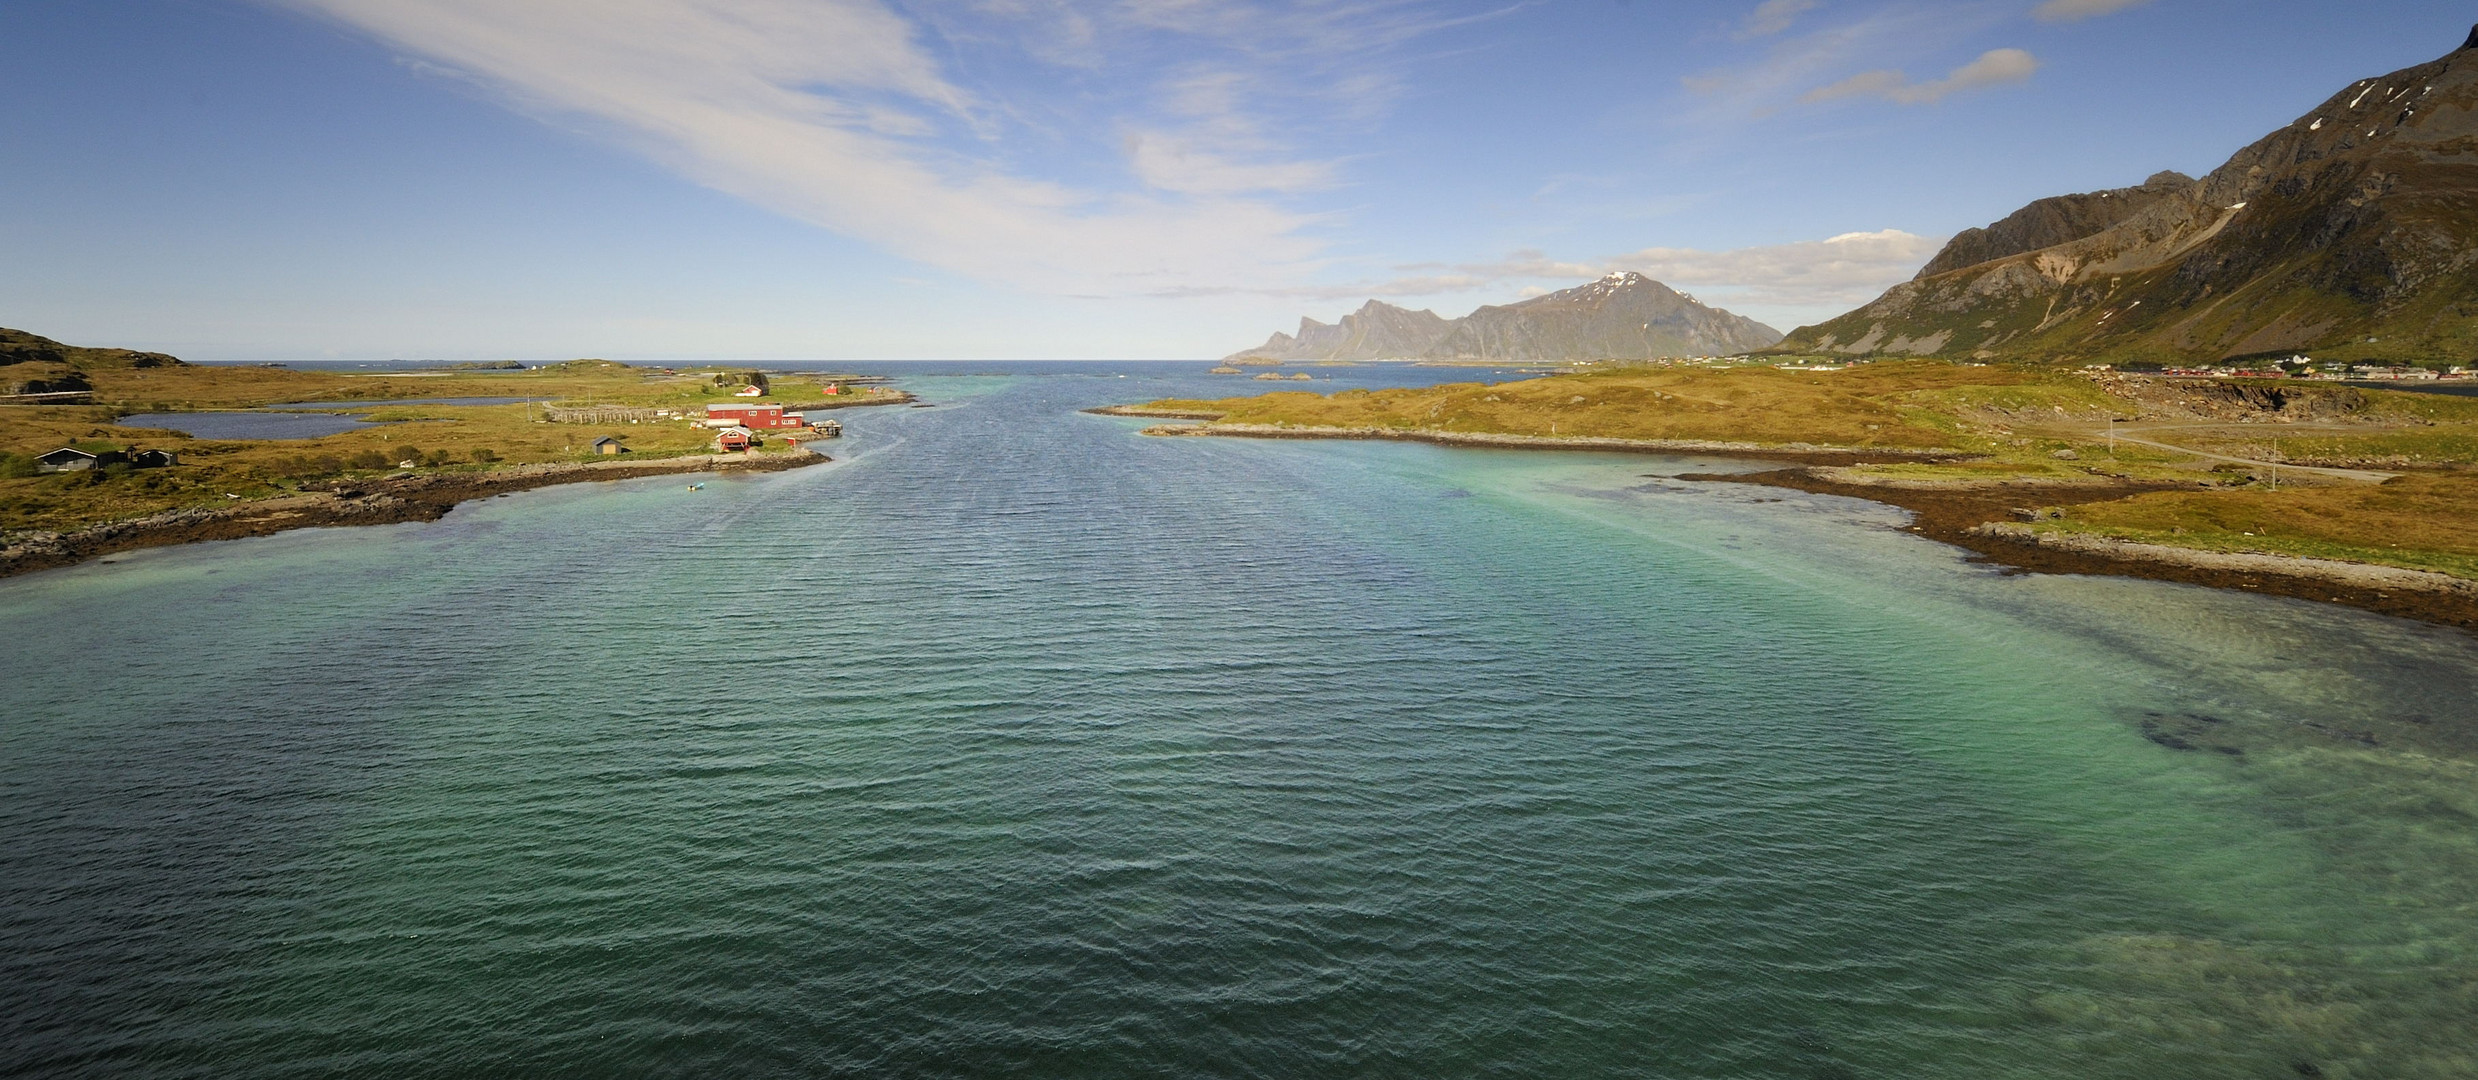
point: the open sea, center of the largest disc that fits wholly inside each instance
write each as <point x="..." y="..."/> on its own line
<point x="1014" y="743"/>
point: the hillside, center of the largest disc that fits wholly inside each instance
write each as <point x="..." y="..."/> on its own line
<point x="1623" y="316"/>
<point x="20" y="347"/>
<point x="2352" y="232"/>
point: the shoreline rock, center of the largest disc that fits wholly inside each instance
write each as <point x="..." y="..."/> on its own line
<point x="1974" y="517"/>
<point x="384" y="501"/>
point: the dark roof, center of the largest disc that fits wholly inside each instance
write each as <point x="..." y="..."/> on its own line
<point x="606" y="439"/>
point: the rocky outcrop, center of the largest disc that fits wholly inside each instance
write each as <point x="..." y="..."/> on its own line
<point x="1620" y="317"/>
<point x="20" y="347"/>
<point x="1623" y="316"/>
<point x="2353" y="230"/>
<point x="1377" y="331"/>
<point x="2052" y="221"/>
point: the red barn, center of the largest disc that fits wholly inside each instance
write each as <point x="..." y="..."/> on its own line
<point x="763" y="417"/>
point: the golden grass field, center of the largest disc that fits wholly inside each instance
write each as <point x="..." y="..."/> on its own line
<point x="2012" y="422"/>
<point x="212" y="471"/>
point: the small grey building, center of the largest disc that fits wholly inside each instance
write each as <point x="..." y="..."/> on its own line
<point x="72" y="459"/>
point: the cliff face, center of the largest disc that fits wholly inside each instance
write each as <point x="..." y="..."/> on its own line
<point x="1622" y="316"/>
<point x="2052" y="221"/>
<point x="1377" y="331"/>
<point x="2354" y="229"/>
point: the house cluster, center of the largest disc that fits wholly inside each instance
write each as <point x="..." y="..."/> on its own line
<point x="72" y="459"/>
<point x="2307" y="367"/>
<point x="738" y="424"/>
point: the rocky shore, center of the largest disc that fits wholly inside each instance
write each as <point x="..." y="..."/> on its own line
<point x="420" y="497"/>
<point x="1986" y="520"/>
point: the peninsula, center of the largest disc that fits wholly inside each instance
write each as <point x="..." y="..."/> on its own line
<point x="104" y="450"/>
<point x="2307" y="488"/>
<point x="2188" y="379"/>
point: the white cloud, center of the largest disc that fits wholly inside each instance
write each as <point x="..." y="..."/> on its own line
<point x="1793" y="64"/>
<point x="1804" y="281"/>
<point x="1996" y="67"/>
<point x="1774" y="16"/>
<point x="832" y="112"/>
<point x="1171" y="163"/>
<point x="2071" y="10"/>
<point x="1838" y="272"/>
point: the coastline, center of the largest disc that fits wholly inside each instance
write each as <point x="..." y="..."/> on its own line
<point x="1979" y="517"/>
<point x="1804" y="452"/>
<point x="1975" y="518"/>
<point x="349" y="502"/>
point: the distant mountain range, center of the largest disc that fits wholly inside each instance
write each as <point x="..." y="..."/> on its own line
<point x="2353" y="229"/>
<point x="1620" y="317"/>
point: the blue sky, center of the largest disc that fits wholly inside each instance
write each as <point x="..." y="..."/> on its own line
<point x="855" y="179"/>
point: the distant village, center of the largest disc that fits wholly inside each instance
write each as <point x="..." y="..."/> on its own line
<point x="738" y="426"/>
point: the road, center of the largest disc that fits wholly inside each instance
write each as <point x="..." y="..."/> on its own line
<point x="2133" y="435"/>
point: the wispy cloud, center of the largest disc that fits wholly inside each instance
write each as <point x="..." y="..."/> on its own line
<point x="2071" y="10"/>
<point x="1837" y="272"/>
<point x="1996" y="67"/>
<point x="1862" y="47"/>
<point x="1803" y="280"/>
<point x="1774" y="16"/>
<point x="839" y="113"/>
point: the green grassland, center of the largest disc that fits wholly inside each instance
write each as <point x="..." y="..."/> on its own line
<point x="2012" y="422"/>
<point x="2423" y="521"/>
<point x="1904" y="405"/>
<point x="439" y="437"/>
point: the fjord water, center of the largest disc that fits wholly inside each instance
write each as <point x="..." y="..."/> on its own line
<point x="1017" y="743"/>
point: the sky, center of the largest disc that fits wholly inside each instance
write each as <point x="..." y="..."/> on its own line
<point x="660" y="180"/>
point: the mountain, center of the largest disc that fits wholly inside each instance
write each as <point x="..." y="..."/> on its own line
<point x="1377" y="331"/>
<point x="20" y="347"/>
<point x="2352" y="232"/>
<point x="2053" y="221"/>
<point x="1620" y="317"/>
<point x="1623" y="316"/>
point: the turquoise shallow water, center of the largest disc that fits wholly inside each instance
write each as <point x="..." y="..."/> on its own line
<point x="1016" y="743"/>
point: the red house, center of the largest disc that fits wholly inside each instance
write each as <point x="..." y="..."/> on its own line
<point x="749" y="415"/>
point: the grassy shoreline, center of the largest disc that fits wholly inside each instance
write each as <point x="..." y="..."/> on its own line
<point x="1967" y="448"/>
<point x="413" y="456"/>
<point x="383" y="501"/>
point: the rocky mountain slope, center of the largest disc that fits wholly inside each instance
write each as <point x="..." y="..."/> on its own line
<point x="1623" y="316"/>
<point x="2351" y="233"/>
<point x="1377" y="331"/>
<point x="2055" y="220"/>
